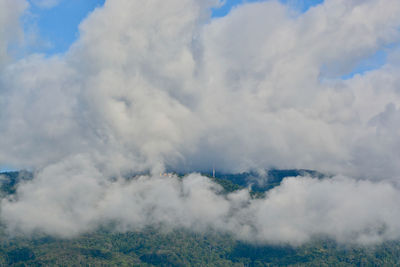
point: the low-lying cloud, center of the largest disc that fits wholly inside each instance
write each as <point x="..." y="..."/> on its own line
<point x="152" y="85"/>
<point x="65" y="203"/>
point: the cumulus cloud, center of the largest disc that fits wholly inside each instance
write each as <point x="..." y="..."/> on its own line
<point x="10" y="31"/>
<point x="153" y="85"/>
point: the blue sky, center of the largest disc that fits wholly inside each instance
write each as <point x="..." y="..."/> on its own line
<point x="58" y="26"/>
<point x="301" y="5"/>
<point x="375" y="61"/>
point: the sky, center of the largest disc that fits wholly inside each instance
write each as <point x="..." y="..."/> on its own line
<point x="51" y="18"/>
<point x="57" y="21"/>
<point x="54" y="26"/>
<point x="92" y="92"/>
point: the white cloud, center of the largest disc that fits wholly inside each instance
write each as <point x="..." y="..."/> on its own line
<point x="10" y="31"/>
<point x="75" y="198"/>
<point x="156" y="84"/>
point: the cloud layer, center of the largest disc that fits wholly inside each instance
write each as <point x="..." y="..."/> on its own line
<point x="65" y="202"/>
<point x="153" y="85"/>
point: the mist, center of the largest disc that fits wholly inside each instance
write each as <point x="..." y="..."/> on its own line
<point x="151" y="86"/>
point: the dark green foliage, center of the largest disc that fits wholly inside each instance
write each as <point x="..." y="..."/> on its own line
<point x="162" y="258"/>
<point x="257" y="182"/>
<point x="227" y="185"/>
<point x="156" y="247"/>
<point x="20" y="254"/>
<point x="95" y="253"/>
<point x="10" y="180"/>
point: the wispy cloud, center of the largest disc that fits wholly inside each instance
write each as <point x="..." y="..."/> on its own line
<point x="46" y="3"/>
